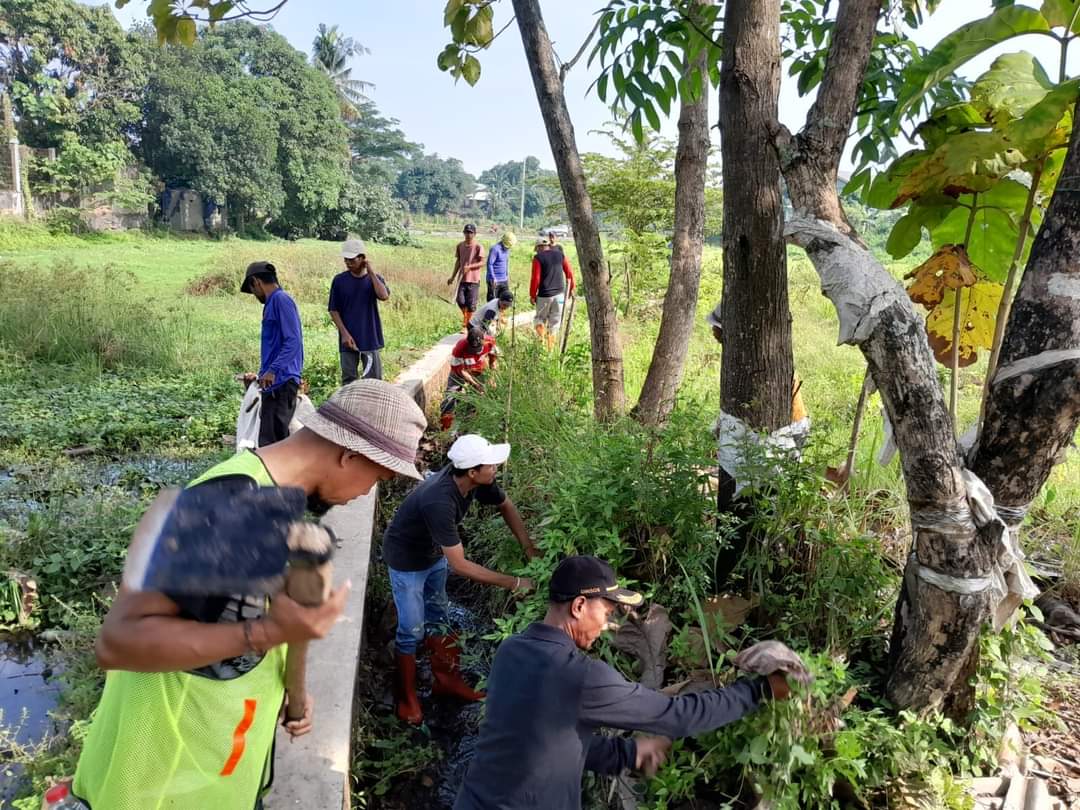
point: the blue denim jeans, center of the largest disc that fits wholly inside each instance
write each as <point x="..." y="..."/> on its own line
<point x="420" y="598"/>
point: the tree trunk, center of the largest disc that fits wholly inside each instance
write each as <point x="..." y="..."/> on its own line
<point x="757" y="369"/>
<point x="607" y="366"/>
<point x="946" y="595"/>
<point x="1033" y="407"/>
<point x="680" y="302"/>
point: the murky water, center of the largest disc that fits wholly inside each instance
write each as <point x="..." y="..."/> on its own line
<point x="29" y="688"/>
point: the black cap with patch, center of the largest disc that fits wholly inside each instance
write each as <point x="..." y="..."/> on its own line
<point x="590" y="577"/>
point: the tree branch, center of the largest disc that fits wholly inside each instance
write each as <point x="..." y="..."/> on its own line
<point x="565" y="67"/>
<point x="845" y="66"/>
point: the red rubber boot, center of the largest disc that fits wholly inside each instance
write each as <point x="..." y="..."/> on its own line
<point x="446" y="669"/>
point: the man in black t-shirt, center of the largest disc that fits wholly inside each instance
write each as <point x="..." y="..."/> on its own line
<point x="422" y="544"/>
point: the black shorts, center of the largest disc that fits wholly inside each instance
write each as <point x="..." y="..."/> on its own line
<point x="468" y="295"/>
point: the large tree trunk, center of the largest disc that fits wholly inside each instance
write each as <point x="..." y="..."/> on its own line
<point x="946" y="595"/>
<point x="607" y="367"/>
<point x="680" y="303"/>
<point x="757" y="369"/>
<point x="1033" y="405"/>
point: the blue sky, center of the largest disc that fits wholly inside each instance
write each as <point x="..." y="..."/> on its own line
<point x="498" y="119"/>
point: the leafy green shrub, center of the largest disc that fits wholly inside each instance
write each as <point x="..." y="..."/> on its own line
<point x="116" y="413"/>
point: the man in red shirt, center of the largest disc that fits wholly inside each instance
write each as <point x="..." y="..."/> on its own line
<point x="551" y="274"/>
<point x="467" y="363"/>
<point x="469" y="263"/>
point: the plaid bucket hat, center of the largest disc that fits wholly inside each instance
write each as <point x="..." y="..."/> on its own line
<point x="375" y="419"/>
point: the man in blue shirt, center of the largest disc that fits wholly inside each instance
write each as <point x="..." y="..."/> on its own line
<point x="498" y="266"/>
<point x="282" y="352"/>
<point x="354" y="308"/>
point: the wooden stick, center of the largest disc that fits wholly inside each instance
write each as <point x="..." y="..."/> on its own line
<point x="307" y="583"/>
<point x="569" y="321"/>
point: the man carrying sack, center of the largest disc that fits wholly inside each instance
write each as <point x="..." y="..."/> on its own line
<point x="195" y="685"/>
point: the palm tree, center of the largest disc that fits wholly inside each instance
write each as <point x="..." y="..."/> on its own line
<point x="331" y="52"/>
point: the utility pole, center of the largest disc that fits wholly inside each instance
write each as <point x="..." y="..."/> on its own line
<point x="521" y="218"/>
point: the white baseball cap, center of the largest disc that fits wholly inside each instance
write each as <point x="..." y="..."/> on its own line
<point x="472" y="450"/>
<point x="353" y="248"/>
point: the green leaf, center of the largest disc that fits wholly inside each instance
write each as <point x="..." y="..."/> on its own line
<point x="457" y="25"/>
<point x="1044" y="118"/>
<point x="481" y="28"/>
<point x="619" y="79"/>
<point x="962" y="45"/>
<point x="470" y="69"/>
<point x="904" y="237"/>
<point x="636" y="128"/>
<point x="801" y="755"/>
<point x="1060" y="13"/>
<point x="650" y="113"/>
<point x="185" y="30"/>
<point x="886" y="185"/>
<point x="993" y="238"/>
<point x="1014" y="83"/>
<point x="219" y="10"/>
<point x="451" y="10"/>
<point x="449" y="57"/>
<point x="601" y="86"/>
<point x="947" y="120"/>
<point x="967" y="162"/>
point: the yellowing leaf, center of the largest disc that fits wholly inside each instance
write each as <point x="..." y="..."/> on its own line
<point x="978" y="313"/>
<point x="966" y="163"/>
<point x="185" y="30"/>
<point x="949" y="268"/>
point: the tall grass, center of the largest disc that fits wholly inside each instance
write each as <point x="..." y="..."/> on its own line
<point x="67" y="316"/>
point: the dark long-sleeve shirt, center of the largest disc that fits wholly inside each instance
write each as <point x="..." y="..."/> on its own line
<point x="282" y="341"/>
<point x="546" y="701"/>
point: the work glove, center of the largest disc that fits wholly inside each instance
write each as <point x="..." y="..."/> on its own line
<point x="767" y="657"/>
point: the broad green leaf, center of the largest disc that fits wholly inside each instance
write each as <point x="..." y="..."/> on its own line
<point x="470" y="69"/>
<point x="185" y="30"/>
<point x="1014" y="83"/>
<point x="1061" y="13"/>
<point x="1041" y="120"/>
<point x="636" y="128"/>
<point x="886" y="185"/>
<point x="904" y="237"/>
<point x="993" y="238"/>
<point x="978" y="314"/>
<point x="967" y="162"/>
<point x="963" y="44"/>
<point x="946" y="120"/>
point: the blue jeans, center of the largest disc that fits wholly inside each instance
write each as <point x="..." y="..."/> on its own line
<point x="420" y="598"/>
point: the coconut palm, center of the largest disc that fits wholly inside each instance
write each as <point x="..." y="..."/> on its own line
<point x="331" y="52"/>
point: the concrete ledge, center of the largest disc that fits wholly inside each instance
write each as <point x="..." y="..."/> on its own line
<point x="312" y="772"/>
<point x="425" y="380"/>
